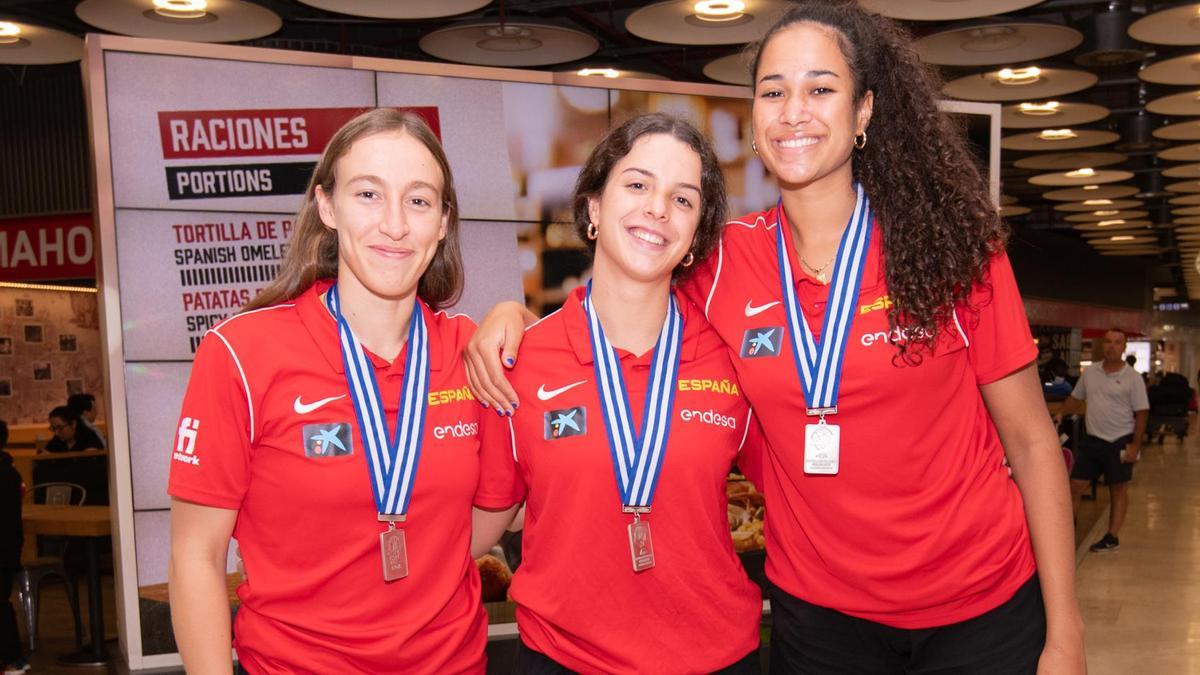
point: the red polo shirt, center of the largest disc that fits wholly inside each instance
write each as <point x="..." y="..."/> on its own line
<point x="922" y="525"/>
<point x="268" y="429"/>
<point x="579" y="600"/>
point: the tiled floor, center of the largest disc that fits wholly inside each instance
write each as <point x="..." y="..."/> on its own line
<point x="1141" y="605"/>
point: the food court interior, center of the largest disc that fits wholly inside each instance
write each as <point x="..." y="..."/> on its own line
<point x="1092" y="139"/>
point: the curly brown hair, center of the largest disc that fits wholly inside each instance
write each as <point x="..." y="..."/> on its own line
<point x="930" y="200"/>
<point x="714" y="209"/>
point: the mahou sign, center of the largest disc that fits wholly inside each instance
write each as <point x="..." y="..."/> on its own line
<point x="45" y="248"/>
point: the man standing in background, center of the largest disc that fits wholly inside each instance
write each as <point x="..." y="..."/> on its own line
<point x="1117" y="410"/>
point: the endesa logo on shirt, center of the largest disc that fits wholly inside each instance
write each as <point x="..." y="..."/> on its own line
<point x="185" y="442"/>
<point x="712" y="417"/>
<point x="210" y="134"/>
<point x="457" y="430"/>
<point x="565" y="423"/>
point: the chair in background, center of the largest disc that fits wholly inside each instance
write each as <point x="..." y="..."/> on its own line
<point x="34" y="572"/>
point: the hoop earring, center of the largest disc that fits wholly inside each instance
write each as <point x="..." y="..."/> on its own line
<point x="592" y="231"/>
<point x="753" y="146"/>
<point x="688" y="260"/>
<point x="860" y="141"/>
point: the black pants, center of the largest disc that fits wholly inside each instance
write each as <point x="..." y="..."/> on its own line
<point x="530" y="662"/>
<point x="1008" y="640"/>
<point x="10" y="639"/>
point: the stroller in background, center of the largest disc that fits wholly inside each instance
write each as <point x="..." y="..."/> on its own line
<point x="1169" y="401"/>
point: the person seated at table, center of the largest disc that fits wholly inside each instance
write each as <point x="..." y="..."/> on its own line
<point x="85" y="406"/>
<point x="11" y="541"/>
<point x="71" y="435"/>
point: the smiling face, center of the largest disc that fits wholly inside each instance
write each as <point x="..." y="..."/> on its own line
<point x="649" y="210"/>
<point x="805" y="117"/>
<point x="387" y="209"/>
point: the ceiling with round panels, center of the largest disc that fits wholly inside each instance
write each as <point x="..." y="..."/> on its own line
<point x="1100" y="100"/>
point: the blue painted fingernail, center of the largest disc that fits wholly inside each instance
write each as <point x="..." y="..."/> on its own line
<point x="510" y="360"/>
<point x="499" y="413"/>
<point x="516" y="405"/>
<point x="484" y="404"/>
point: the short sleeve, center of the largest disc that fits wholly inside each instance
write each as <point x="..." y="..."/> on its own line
<point x="500" y="483"/>
<point x="1080" y="391"/>
<point x="212" y="448"/>
<point x="1138" y="399"/>
<point x="994" y="323"/>
<point x="750" y="454"/>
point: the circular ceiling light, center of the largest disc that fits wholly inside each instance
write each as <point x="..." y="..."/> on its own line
<point x="1051" y="113"/>
<point x="1183" y="171"/>
<point x="28" y="44"/>
<point x="1110" y="216"/>
<point x="995" y="43"/>
<point x="1180" y="131"/>
<point x="10" y="33"/>
<point x="1182" y="70"/>
<point x="680" y="21"/>
<point x="719" y="10"/>
<point x="1182" y="153"/>
<point x="1013" y="210"/>
<point x="1175" y="26"/>
<point x="181" y="9"/>
<point x="510" y="44"/>
<point x="217" y="21"/>
<point x="1079" y="194"/>
<point x="1058" y="139"/>
<point x="1013" y="84"/>
<point x="943" y="10"/>
<point x="1083" y="177"/>
<point x="731" y="69"/>
<point x="598" y="72"/>
<point x="1186" y="103"/>
<point x="1091" y="205"/>
<point x="1069" y="160"/>
<point x="391" y="9"/>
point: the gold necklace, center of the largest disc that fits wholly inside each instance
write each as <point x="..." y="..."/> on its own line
<point x="819" y="272"/>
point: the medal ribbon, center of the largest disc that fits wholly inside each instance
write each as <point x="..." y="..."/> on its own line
<point x="391" y="459"/>
<point x="637" y="459"/>
<point x="820" y="365"/>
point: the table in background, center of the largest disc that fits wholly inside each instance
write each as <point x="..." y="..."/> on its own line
<point x="92" y="523"/>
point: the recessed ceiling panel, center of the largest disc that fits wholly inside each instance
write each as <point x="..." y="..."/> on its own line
<point x="1044" y="114"/>
<point x="222" y="21"/>
<point x="1069" y="139"/>
<point x="677" y="22"/>
<point x="1019" y="84"/>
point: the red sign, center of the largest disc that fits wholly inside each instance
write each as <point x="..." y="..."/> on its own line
<point x="47" y="247"/>
<point x="189" y="134"/>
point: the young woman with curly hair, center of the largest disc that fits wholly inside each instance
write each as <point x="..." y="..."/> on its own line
<point x="881" y="339"/>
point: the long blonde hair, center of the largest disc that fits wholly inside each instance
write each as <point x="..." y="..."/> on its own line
<point x="313" y="250"/>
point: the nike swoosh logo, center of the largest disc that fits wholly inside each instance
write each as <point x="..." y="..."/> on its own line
<point x="545" y="395"/>
<point x="751" y="310"/>
<point x="305" y="408"/>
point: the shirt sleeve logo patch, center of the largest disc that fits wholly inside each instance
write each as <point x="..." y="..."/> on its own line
<point x="762" y="342"/>
<point x="185" y="441"/>
<point x="565" y="423"/>
<point x="328" y="440"/>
